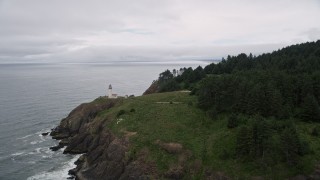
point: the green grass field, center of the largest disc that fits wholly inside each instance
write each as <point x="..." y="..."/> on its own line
<point x="174" y="117"/>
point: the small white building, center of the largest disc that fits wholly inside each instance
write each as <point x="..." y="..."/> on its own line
<point x="110" y="95"/>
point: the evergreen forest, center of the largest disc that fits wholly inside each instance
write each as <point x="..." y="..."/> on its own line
<point x="265" y="98"/>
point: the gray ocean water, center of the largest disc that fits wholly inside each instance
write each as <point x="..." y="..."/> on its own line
<point x="35" y="97"/>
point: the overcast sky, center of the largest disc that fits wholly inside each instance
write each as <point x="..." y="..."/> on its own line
<point x="129" y="30"/>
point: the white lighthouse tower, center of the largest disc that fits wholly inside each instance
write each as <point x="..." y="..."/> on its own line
<point x="110" y="95"/>
<point x="110" y="91"/>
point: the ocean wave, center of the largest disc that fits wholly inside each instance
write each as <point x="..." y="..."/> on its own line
<point x="36" y="142"/>
<point x="24" y="137"/>
<point x="39" y="133"/>
<point x="18" y="156"/>
<point x="41" y="150"/>
<point x="18" y="153"/>
<point x="60" y="173"/>
<point x="36" y="151"/>
<point x="46" y="153"/>
<point x="42" y="139"/>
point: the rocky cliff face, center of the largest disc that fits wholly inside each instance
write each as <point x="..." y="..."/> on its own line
<point x="104" y="154"/>
<point x="153" y="88"/>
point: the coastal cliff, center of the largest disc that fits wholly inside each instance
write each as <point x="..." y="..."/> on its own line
<point x="104" y="154"/>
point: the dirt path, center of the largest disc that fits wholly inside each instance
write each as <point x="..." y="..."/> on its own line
<point x="168" y="102"/>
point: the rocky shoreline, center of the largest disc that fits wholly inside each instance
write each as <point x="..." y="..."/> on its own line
<point x="104" y="156"/>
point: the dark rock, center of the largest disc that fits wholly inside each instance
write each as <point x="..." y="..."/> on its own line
<point x="56" y="148"/>
<point x="80" y="160"/>
<point x="314" y="177"/>
<point x="79" y="144"/>
<point x="210" y="175"/>
<point x="59" y="133"/>
<point x="78" y="118"/>
<point x="115" y="151"/>
<point x="172" y="148"/>
<point x="45" y="134"/>
<point x="82" y="132"/>
<point x="139" y="170"/>
<point x="175" y="173"/>
<point x="72" y="172"/>
<point x="64" y="142"/>
<point x="299" y="177"/>
<point x="95" y="154"/>
<point x="154" y="88"/>
<point x="257" y="178"/>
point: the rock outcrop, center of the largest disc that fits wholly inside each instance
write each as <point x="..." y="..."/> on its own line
<point x="153" y="88"/>
<point x="104" y="154"/>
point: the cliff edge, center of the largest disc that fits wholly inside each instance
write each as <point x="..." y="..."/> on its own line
<point x="104" y="154"/>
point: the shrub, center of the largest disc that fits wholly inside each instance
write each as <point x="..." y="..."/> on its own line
<point x="304" y="148"/>
<point x="232" y="121"/>
<point x="315" y="131"/>
<point x="132" y="110"/>
<point x="212" y="112"/>
<point x="224" y="155"/>
<point x="121" y="112"/>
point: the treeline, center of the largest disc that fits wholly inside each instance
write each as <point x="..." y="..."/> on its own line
<point x="262" y="97"/>
<point x="271" y="92"/>
<point x="301" y="58"/>
<point x="185" y="78"/>
<point x="264" y="92"/>
<point x="269" y="141"/>
<point x="284" y="83"/>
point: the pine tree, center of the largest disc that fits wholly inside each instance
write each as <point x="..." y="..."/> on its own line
<point x="310" y="109"/>
<point x="290" y="145"/>
<point x="255" y="99"/>
<point x="243" y="142"/>
<point x="233" y="121"/>
<point x="259" y="137"/>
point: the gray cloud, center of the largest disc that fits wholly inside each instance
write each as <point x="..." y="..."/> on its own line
<point x="104" y="30"/>
<point x="312" y="34"/>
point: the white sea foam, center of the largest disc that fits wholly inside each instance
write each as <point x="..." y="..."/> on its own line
<point x="47" y="153"/>
<point x="36" y="142"/>
<point x="18" y="153"/>
<point x="62" y="149"/>
<point x="36" y="151"/>
<point x="60" y="173"/>
<point x="42" y="138"/>
<point x="24" y="137"/>
<point x="47" y="150"/>
<point x="39" y="133"/>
